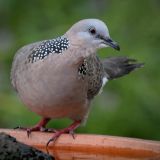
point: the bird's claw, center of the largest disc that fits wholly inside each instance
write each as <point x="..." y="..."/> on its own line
<point x="28" y="132"/>
<point x="21" y="128"/>
<point x="49" y="130"/>
<point x="72" y="134"/>
<point x="57" y="134"/>
<point x="53" y="139"/>
<point x="36" y="128"/>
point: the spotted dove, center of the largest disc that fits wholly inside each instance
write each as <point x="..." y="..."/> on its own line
<point x="59" y="77"/>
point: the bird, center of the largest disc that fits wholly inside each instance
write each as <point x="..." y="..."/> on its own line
<point x="59" y="77"/>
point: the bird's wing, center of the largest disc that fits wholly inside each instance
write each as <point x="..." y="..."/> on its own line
<point x="37" y="51"/>
<point x="119" y="66"/>
<point x="92" y="71"/>
<point x="20" y="57"/>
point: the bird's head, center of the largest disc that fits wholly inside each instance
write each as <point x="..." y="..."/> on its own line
<point x="91" y="33"/>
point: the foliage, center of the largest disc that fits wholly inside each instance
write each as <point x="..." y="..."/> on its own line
<point x="129" y="106"/>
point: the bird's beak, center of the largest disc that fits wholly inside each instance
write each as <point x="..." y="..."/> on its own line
<point x="111" y="43"/>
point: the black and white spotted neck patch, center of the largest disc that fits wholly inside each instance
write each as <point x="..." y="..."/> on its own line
<point x="83" y="69"/>
<point x="47" y="47"/>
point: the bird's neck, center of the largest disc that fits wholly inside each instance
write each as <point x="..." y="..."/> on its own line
<point x="80" y="44"/>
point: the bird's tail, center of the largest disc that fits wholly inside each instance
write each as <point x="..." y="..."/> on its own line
<point x="116" y="67"/>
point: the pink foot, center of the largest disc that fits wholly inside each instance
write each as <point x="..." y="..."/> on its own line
<point x="69" y="130"/>
<point x="38" y="127"/>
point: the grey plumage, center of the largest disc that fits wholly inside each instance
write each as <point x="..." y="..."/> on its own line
<point x="58" y="78"/>
<point x="116" y="67"/>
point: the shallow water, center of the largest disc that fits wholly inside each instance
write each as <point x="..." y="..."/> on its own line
<point x="84" y="155"/>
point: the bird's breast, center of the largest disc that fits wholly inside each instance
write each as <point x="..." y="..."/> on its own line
<point x="52" y="84"/>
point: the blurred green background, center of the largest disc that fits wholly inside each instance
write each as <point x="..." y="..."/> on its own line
<point x="129" y="106"/>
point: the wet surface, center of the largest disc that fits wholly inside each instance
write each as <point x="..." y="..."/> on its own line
<point x="59" y="154"/>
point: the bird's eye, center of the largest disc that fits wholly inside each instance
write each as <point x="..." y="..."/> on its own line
<point x="92" y="30"/>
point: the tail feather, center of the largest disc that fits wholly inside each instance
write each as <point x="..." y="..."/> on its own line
<point x="119" y="66"/>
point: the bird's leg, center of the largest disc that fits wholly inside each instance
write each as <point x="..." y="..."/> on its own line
<point x="38" y="127"/>
<point x="69" y="130"/>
